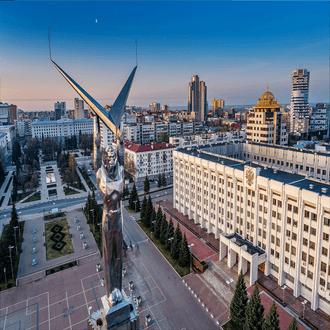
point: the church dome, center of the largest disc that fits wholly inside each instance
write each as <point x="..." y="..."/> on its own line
<point x="267" y="100"/>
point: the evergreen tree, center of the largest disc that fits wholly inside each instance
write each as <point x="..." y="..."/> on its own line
<point x="148" y="212"/>
<point x="146" y="185"/>
<point x="14" y="216"/>
<point x="137" y="205"/>
<point x="239" y="303"/>
<point x="184" y="256"/>
<point x="159" y="217"/>
<point x="164" y="183"/>
<point x="293" y="324"/>
<point x="163" y="230"/>
<point x="169" y="234"/>
<point x="153" y="219"/>
<point x="254" y="312"/>
<point x="272" y="322"/>
<point x="159" y="184"/>
<point x="2" y="174"/>
<point x="143" y="210"/>
<point x="176" y="244"/>
<point x="133" y="197"/>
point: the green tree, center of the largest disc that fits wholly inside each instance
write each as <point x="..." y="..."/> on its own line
<point x="164" y="183"/>
<point x="272" y="322"/>
<point x="159" y="217"/>
<point x="239" y="303"/>
<point x="159" y="182"/>
<point x="170" y="234"/>
<point x="137" y="205"/>
<point x="293" y="324"/>
<point x="148" y="212"/>
<point x="146" y="185"/>
<point x="16" y="152"/>
<point x="153" y="219"/>
<point x="133" y="197"/>
<point x="163" y="230"/>
<point x="176" y="244"/>
<point x="143" y="210"/>
<point x="254" y="312"/>
<point x="184" y="256"/>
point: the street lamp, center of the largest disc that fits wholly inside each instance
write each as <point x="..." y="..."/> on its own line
<point x="135" y="205"/>
<point x="229" y="282"/>
<point x="11" y="260"/>
<point x="4" y="270"/>
<point x="199" y="229"/>
<point x="100" y="223"/>
<point x="190" y="249"/>
<point x="283" y="288"/>
<point x="15" y="227"/>
<point x="171" y="239"/>
<point x="155" y="230"/>
<point x="19" y="226"/>
<point x="304" y="303"/>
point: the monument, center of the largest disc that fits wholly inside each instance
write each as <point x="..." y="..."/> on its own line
<point x="119" y="310"/>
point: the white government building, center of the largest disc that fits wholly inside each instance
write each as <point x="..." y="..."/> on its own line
<point x="268" y="205"/>
<point x="61" y="128"/>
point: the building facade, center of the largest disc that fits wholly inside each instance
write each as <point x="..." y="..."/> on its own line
<point x="218" y="106"/>
<point x="319" y="122"/>
<point x="154" y="106"/>
<point x="79" y="109"/>
<point x="4" y="114"/>
<point x="197" y="98"/>
<point x="299" y="109"/>
<point x="23" y="128"/>
<point x="265" y="123"/>
<point x="148" y="160"/>
<point x="60" y="110"/>
<point x="269" y="220"/>
<point x="59" y="129"/>
<point x="12" y="113"/>
<point x="10" y="132"/>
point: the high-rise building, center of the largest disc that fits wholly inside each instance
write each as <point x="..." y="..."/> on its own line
<point x="265" y="122"/>
<point x="12" y="113"/>
<point x="218" y="105"/>
<point x="197" y="98"/>
<point x="78" y="109"/>
<point x="299" y="112"/>
<point x="154" y="106"/>
<point x="319" y="122"/>
<point x="60" y="110"/>
<point x="4" y="114"/>
<point x="165" y="107"/>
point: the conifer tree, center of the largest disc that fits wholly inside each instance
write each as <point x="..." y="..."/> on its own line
<point x="143" y="210"/>
<point x="176" y="244"/>
<point x="272" y="322"/>
<point x="164" y="183"/>
<point x="148" y="212"/>
<point x="184" y="256"/>
<point x="239" y="303"/>
<point x="169" y="234"/>
<point x="137" y="205"/>
<point x="133" y="197"/>
<point x="163" y="230"/>
<point x="293" y="324"/>
<point x="14" y="217"/>
<point x="153" y="219"/>
<point x="159" y="217"/>
<point x="146" y="185"/>
<point x="159" y="183"/>
<point x="254" y="312"/>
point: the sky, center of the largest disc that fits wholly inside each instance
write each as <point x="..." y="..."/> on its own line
<point x="236" y="48"/>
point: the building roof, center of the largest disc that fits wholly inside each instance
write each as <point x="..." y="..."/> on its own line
<point x="60" y="121"/>
<point x="250" y="247"/>
<point x="147" y="147"/>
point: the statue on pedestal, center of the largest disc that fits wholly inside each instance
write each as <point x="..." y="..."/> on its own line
<point x="119" y="311"/>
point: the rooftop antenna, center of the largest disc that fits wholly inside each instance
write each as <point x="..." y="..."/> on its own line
<point x="50" y="51"/>
<point x="136" y="51"/>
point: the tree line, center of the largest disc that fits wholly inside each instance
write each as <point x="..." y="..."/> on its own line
<point x="249" y="315"/>
<point x="173" y="240"/>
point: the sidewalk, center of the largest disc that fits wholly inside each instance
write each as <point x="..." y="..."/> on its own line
<point x="3" y="188"/>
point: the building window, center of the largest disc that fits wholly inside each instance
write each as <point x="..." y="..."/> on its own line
<point x="306" y="228"/>
<point x="324" y="251"/>
<point x="311" y="260"/>
<point x="313" y="231"/>
<point x="278" y="242"/>
<point x="294" y="236"/>
<point x="277" y="255"/>
<point x="322" y="282"/>
<point x="305" y="241"/>
<point x="295" y="209"/>
<point x="325" y="237"/>
<point x="323" y="267"/>
<point x="286" y="260"/>
<point x="312" y="245"/>
<point x="293" y="250"/>
<point x="327" y="221"/>
<point x="287" y="247"/>
<point x="304" y="256"/>
<point x="288" y="220"/>
<point x="303" y="270"/>
<point x="292" y="264"/>
<point x="310" y="274"/>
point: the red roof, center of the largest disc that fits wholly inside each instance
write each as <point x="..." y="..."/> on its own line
<point x="147" y="147"/>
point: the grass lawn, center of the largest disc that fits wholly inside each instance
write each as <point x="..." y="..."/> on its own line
<point x="34" y="197"/>
<point x="69" y="191"/>
<point x="79" y="184"/>
<point x="52" y="253"/>
<point x="54" y="215"/>
<point x="182" y="271"/>
<point x="88" y="180"/>
<point x="129" y="210"/>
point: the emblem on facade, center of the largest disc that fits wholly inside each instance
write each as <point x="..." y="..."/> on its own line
<point x="249" y="176"/>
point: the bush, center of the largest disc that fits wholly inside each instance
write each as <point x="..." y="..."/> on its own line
<point x="9" y="285"/>
<point x="52" y="271"/>
<point x="70" y="264"/>
<point x="61" y="267"/>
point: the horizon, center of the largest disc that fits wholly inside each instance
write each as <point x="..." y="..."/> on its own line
<point x="227" y="53"/>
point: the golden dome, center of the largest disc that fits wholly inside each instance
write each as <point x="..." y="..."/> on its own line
<point x="267" y="100"/>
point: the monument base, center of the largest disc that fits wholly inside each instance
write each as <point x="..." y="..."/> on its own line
<point x="121" y="316"/>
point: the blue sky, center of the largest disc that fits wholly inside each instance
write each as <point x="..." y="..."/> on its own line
<point x="237" y="48"/>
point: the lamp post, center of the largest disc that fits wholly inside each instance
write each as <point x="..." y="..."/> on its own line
<point x="100" y="224"/>
<point x="135" y="205"/>
<point x="171" y="239"/>
<point x="229" y="282"/>
<point x="190" y="249"/>
<point x="19" y="227"/>
<point x="11" y="260"/>
<point x="199" y="230"/>
<point x="304" y="303"/>
<point x="283" y="289"/>
<point x="154" y="222"/>
<point x="4" y="270"/>
<point x="15" y="227"/>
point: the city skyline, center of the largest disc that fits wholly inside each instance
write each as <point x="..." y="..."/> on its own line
<point x="185" y="40"/>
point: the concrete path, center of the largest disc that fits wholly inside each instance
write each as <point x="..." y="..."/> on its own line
<point x="83" y="180"/>
<point x="4" y="185"/>
<point x="25" y="266"/>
